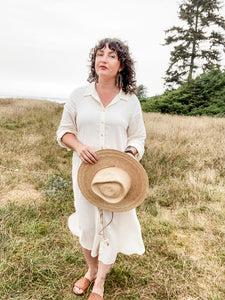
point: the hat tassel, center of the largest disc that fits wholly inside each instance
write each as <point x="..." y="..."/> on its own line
<point x="101" y="232"/>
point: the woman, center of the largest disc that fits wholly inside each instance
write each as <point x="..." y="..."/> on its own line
<point x="106" y="114"/>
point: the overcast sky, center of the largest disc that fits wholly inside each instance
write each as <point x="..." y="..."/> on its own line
<point x="45" y="44"/>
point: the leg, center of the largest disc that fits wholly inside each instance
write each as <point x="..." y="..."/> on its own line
<point x="103" y="270"/>
<point x="92" y="263"/>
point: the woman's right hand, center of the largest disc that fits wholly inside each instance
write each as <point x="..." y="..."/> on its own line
<point x="86" y="154"/>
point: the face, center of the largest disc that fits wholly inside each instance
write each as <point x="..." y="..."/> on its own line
<point x="107" y="64"/>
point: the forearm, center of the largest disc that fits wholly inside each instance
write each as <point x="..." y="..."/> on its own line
<point x="71" y="141"/>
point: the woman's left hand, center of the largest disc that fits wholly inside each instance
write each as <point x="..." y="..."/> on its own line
<point x="131" y="151"/>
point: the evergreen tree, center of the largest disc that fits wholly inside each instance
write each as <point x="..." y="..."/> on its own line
<point x="198" y="44"/>
<point x="141" y="91"/>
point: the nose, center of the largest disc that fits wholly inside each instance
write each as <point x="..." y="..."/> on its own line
<point x="104" y="57"/>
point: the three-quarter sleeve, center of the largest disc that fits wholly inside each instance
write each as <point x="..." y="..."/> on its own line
<point x="136" y="131"/>
<point x="68" y="122"/>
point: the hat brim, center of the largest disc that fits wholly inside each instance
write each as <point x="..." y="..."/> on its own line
<point x="108" y="158"/>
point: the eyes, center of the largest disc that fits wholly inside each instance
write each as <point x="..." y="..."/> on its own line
<point x="111" y="54"/>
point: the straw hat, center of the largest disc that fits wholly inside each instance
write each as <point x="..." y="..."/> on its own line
<point x="117" y="182"/>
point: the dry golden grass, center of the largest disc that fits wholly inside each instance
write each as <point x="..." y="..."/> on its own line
<point x="188" y="189"/>
<point x="26" y="128"/>
<point x="182" y="218"/>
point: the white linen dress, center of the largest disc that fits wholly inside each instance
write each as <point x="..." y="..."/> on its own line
<point x="113" y="127"/>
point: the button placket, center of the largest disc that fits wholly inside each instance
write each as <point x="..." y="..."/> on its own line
<point x="102" y="129"/>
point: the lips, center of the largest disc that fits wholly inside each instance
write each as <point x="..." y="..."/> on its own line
<point x="103" y="67"/>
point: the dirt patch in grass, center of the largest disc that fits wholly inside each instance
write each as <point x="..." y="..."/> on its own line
<point x="22" y="194"/>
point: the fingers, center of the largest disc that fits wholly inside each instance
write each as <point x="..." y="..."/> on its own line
<point x="88" y="156"/>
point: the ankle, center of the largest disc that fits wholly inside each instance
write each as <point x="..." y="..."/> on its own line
<point x="100" y="282"/>
<point x="100" y="279"/>
<point x="91" y="273"/>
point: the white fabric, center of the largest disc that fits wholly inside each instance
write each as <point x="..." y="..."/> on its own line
<point x="116" y="126"/>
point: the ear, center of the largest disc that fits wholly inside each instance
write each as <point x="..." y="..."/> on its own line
<point x="120" y="69"/>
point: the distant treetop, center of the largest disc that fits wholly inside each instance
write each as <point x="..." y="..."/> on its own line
<point x="198" y="44"/>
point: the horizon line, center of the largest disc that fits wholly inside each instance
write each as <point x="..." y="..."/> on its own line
<point x="50" y="98"/>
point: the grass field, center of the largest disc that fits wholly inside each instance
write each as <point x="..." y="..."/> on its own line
<point x="183" y="217"/>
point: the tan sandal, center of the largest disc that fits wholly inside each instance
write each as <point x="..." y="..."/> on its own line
<point x="83" y="283"/>
<point x="94" y="296"/>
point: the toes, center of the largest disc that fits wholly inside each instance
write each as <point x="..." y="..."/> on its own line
<point x="77" y="290"/>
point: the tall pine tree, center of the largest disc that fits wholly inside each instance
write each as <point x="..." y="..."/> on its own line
<point x="197" y="45"/>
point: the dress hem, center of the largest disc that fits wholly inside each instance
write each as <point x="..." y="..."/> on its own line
<point x="117" y="252"/>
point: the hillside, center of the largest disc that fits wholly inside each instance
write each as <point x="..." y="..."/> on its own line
<point x="182" y="218"/>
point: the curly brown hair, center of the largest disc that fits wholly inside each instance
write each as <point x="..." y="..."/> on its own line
<point x="122" y="50"/>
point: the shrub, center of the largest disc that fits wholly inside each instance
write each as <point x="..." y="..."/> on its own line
<point x="204" y="95"/>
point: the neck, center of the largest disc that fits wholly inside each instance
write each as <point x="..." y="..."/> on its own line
<point x="106" y="85"/>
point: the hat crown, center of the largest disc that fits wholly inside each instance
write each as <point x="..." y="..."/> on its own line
<point x="111" y="184"/>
